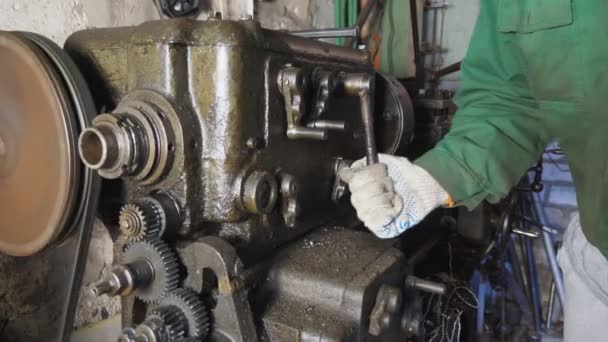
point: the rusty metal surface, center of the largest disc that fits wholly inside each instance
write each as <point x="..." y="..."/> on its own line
<point x="39" y="173"/>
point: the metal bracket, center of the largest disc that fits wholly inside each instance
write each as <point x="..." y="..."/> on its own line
<point x="289" y="200"/>
<point x="232" y="316"/>
<point x="339" y="187"/>
<point x="387" y="307"/>
<point x="293" y="85"/>
<point x="325" y="83"/>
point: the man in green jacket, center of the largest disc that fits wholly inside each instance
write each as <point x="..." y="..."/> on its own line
<point x="535" y="70"/>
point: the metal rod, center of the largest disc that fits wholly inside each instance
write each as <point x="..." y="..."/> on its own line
<point x="425" y="285"/>
<point x="481" y="303"/>
<point x="307" y="133"/>
<point x="549" y="320"/>
<point x="526" y="233"/>
<point x="434" y="41"/>
<point x="445" y="71"/>
<point x="555" y="271"/>
<point x="532" y="271"/>
<point x="362" y="19"/>
<point x="361" y="84"/>
<point x="548" y="243"/>
<point x="513" y="259"/>
<point x="533" y="284"/>
<point x="516" y="280"/>
<point x="328" y="124"/>
<point x="418" y="60"/>
<point x="371" y="154"/>
<point x="519" y="294"/>
<point x="537" y="224"/>
<point x="503" y="314"/>
<point x="328" y="33"/>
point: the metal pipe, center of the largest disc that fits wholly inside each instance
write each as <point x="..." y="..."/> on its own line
<point x="98" y="147"/>
<point x="548" y="233"/>
<point x="555" y="271"/>
<point x="289" y="43"/>
<point x="533" y="283"/>
<point x="328" y="33"/>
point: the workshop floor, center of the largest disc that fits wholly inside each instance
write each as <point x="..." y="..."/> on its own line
<point x="103" y="331"/>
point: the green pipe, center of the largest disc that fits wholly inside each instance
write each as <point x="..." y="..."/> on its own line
<point x="339" y="9"/>
<point x="352" y="12"/>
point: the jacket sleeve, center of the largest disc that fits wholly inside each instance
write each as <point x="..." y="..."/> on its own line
<point x="497" y="133"/>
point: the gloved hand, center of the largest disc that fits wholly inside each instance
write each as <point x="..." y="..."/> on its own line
<point x="392" y="196"/>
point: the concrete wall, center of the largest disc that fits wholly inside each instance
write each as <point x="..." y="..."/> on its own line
<point x="58" y="19"/>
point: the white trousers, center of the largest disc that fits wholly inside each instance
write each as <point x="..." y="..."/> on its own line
<point x="585" y="272"/>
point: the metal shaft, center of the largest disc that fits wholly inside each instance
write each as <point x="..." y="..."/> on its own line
<point x="328" y="33"/>
<point x="371" y="154"/>
<point x="328" y="124"/>
<point x="549" y="321"/>
<point x="124" y="279"/>
<point x="425" y="285"/>
<point x="361" y="85"/>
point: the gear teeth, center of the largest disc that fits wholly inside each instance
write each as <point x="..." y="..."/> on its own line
<point x="174" y="321"/>
<point x="164" y="262"/>
<point x="193" y="308"/>
<point x="143" y="219"/>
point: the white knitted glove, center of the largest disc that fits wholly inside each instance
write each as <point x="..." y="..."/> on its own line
<point x="392" y="196"/>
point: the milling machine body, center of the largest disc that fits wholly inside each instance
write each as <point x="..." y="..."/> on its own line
<point x="220" y="143"/>
<point x="220" y="78"/>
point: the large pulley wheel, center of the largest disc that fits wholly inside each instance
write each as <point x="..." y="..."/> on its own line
<point x="42" y="181"/>
<point x="394" y="121"/>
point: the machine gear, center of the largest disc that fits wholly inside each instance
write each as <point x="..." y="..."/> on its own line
<point x="174" y="322"/>
<point x="188" y="302"/>
<point x="163" y="324"/>
<point x="163" y="261"/>
<point x="141" y="220"/>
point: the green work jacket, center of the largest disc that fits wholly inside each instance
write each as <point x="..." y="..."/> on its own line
<point x="535" y="70"/>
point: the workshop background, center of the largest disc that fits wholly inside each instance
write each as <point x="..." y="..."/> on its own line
<point x="453" y="23"/>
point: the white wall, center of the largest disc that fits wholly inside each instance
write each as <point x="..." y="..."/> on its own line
<point x="460" y="17"/>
